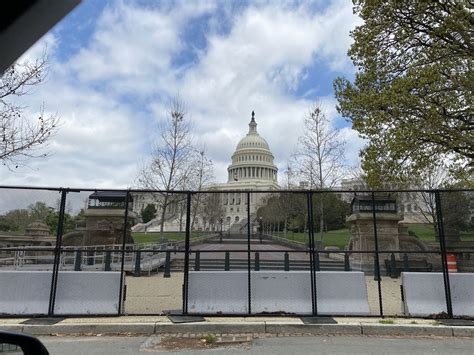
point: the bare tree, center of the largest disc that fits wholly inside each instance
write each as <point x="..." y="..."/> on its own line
<point x="211" y="211"/>
<point x="20" y="135"/>
<point x="320" y="157"/>
<point x="170" y="165"/>
<point x="202" y="174"/>
<point x="434" y="177"/>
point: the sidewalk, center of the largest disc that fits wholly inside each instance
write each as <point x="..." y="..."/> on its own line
<point x="237" y="325"/>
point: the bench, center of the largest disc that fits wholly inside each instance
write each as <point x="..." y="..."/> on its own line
<point x="394" y="268"/>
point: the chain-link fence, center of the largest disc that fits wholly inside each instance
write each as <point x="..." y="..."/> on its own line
<point x="216" y="252"/>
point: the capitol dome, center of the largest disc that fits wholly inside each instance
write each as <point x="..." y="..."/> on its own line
<point x="252" y="159"/>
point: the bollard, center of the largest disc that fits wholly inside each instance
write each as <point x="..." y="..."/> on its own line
<point x="393" y="267"/>
<point x="347" y="265"/>
<point x="78" y="261"/>
<point x="108" y="258"/>
<point x="406" y="264"/>
<point x="197" y="261"/>
<point x="376" y="270"/>
<point x="167" y="272"/>
<point x="137" y="270"/>
<point x="257" y="261"/>
<point x="287" y="262"/>
<point x="90" y="258"/>
<point x="316" y="261"/>
<point x="227" y="261"/>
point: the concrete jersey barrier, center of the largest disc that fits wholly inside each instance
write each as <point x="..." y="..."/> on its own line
<point x="78" y="293"/>
<point x="338" y="293"/>
<point x="423" y="293"/>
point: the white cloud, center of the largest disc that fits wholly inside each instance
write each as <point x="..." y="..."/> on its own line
<point x="111" y="93"/>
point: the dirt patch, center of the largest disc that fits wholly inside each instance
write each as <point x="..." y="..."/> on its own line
<point x="173" y="343"/>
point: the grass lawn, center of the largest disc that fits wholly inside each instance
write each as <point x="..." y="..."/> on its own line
<point x="423" y="231"/>
<point x="340" y="237"/>
<point x="426" y="233"/>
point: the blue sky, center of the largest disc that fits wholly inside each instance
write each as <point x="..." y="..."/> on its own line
<point x="115" y="65"/>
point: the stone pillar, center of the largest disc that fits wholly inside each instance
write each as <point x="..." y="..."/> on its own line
<point x="362" y="230"/>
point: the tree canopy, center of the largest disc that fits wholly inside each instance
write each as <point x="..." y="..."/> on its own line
<point x="412" y="94"/>
<point x="148" y="213"/>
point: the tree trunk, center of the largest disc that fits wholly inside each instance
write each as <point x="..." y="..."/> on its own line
<point x="163" y="214"/>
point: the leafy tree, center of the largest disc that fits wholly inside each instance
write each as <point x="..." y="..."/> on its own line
<point x="412" y="95"/>
<point x="20" y="135"/>
<point x="289" y="210"/>
<point x="148" y="213"/>
<point x="15" y="220"/>
<point x="456" y="214"/>
<point x="52" y="220"/>
<point x="39" y="211"/>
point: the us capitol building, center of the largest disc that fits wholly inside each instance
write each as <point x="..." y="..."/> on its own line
<point x="252" y="168"/>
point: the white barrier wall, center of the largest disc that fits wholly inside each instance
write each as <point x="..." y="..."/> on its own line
<point x="24" y="292"/>
<point x="277" y="291"/>
<point x="342" y="293"/>
<point x="27" y="292"/>
<point x="214" y="291"/>
<point x="424" y="295"/>
<point x="87" y="292"/>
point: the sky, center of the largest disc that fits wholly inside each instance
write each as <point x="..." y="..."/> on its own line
<point x="115" y="66"/>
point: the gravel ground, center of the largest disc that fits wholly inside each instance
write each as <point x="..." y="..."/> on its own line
<point x="154" y="294"/>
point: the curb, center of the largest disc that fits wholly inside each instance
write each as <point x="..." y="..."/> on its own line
<point x="263" y="327"/>
<point x="314" y="329"/>
<point x="410" y="330"/>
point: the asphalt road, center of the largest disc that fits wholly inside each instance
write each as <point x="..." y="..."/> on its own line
<point x="106" y="345"/>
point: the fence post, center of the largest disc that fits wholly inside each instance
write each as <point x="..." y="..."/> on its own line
<point x="167" y="272"/>
<point x="347" y="264"/>
<point x="257" y="261"/>
<point x="227" y="261"/>
<point x="249" y="276"/>
<point x="309" y="210"/>
<point x="138" y="260"/>
<point x="186" y="252"/>
<point x="376" y="259"/>
<point x="122" y="261"/>
<point x="57" y="253"/>
<point x="287" y="261"/>
<point x="108" y="257"/>
<point x="78" y="260"/>
<point x="444" y="257"/>
<point x="406" y="264"/>
<point x="197" y="261"/>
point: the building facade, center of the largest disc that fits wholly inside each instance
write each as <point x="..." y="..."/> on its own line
<point x="252" y="168"/>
